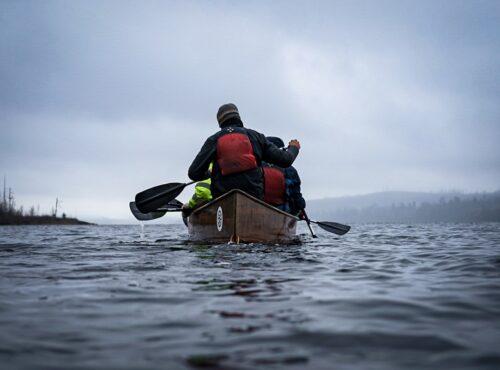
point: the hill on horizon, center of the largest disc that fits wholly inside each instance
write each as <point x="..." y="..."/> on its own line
<point x="404" y="206"/>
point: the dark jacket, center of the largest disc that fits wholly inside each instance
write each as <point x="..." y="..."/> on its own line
<point x="294" y="198"/>
<point x="250" y="181"/>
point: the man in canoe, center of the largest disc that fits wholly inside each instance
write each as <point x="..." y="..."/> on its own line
<point x="282" y="185"/>
<point x="237" y="154"/>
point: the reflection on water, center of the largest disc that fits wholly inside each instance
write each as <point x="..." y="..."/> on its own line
<point x="382" y="296"/>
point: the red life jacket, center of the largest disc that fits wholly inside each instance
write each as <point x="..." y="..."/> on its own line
<point x="235" y="153"/>
<point x="274" y="186"/>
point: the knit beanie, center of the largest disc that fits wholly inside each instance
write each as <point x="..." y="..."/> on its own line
<point x="226" y="112"/>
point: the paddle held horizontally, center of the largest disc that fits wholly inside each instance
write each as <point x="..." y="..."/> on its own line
<point x="151" y="199"/>
<point x="172" y="206"/>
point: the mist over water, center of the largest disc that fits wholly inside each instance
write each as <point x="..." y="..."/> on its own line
<point x="384" y="296"/>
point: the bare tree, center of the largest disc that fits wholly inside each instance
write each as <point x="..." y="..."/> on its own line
<point x="3" y="204"/>
<point x="4" y="188"/>
<point x="12" y="203"/>
<point x="57" y="206"/>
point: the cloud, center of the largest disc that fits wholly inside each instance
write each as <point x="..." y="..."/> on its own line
<point x="102" y="99"/>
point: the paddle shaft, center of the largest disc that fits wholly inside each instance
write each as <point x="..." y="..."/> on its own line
<point x="308" y="223"/>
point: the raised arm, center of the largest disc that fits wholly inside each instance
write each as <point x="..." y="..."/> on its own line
<point x="282" y="158"/>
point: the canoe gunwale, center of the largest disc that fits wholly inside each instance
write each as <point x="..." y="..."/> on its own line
<point x="257" y="200"/>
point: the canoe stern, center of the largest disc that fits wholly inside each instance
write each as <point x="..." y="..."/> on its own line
<point x="238" y="217"/>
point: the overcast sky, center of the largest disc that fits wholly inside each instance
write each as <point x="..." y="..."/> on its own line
<point x="102" y="99"/>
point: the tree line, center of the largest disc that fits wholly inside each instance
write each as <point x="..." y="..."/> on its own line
<point x="10" y="214"/>
<point x="485" y="208"/>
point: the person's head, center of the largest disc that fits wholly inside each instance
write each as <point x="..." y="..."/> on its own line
<point x="226" y="113"/>
<point x="276" y="141"/>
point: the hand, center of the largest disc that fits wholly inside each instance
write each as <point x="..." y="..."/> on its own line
<point x="294" y="143"/>
<point x="186" y="211"/>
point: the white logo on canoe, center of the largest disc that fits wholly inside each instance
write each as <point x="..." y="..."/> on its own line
<point x="220" y="219"/>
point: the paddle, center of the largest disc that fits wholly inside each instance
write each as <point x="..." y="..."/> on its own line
<point x="151" y="199"/>
<point x="332" y="227"/>
<point x="172" y="206"/>
<point x="145" y="216"/>
<point x="308" y="223"/>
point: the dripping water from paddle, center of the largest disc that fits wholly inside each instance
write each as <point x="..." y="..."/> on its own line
<point x="142" y="230"/>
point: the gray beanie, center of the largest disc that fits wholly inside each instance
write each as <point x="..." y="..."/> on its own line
<point x="226" y="112"/>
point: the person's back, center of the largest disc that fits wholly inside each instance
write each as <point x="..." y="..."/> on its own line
<point x="237" y="154"/>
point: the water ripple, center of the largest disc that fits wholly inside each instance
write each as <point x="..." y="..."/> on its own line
<point x="380" y="297"/>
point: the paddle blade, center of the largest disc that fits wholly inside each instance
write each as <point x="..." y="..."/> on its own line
<point x="153" y="198"/>
<point x="145" y="216"/>
<point x="333" y="227"/>
<point x="173" y="204"/>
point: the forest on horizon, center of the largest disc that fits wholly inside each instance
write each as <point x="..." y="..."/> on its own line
<point x="401" y="207"/>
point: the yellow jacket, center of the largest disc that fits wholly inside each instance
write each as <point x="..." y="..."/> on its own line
<point x="202" y="193"/>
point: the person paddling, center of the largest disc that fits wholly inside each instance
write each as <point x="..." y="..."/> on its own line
<point x="282" y="185"/>
<point x="237" y="154"/>
<point x="202" y="194"/>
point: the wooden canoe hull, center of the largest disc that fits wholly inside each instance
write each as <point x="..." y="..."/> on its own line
<point x="240" y="218"/>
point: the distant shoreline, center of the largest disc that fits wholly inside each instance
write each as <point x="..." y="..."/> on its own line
<point x="8" y="219"/>
<point x="409" y="207"/>
<point x="11" y="215"/>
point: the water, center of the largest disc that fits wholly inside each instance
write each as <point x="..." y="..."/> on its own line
<point x="380" y="297"/>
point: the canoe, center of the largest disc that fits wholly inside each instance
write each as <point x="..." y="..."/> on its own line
<point x="238" y="217"/>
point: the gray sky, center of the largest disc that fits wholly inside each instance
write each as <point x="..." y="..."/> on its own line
<point x="102" y="99"/>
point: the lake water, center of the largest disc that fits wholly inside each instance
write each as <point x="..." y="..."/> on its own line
<point x="379" y="297"/>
